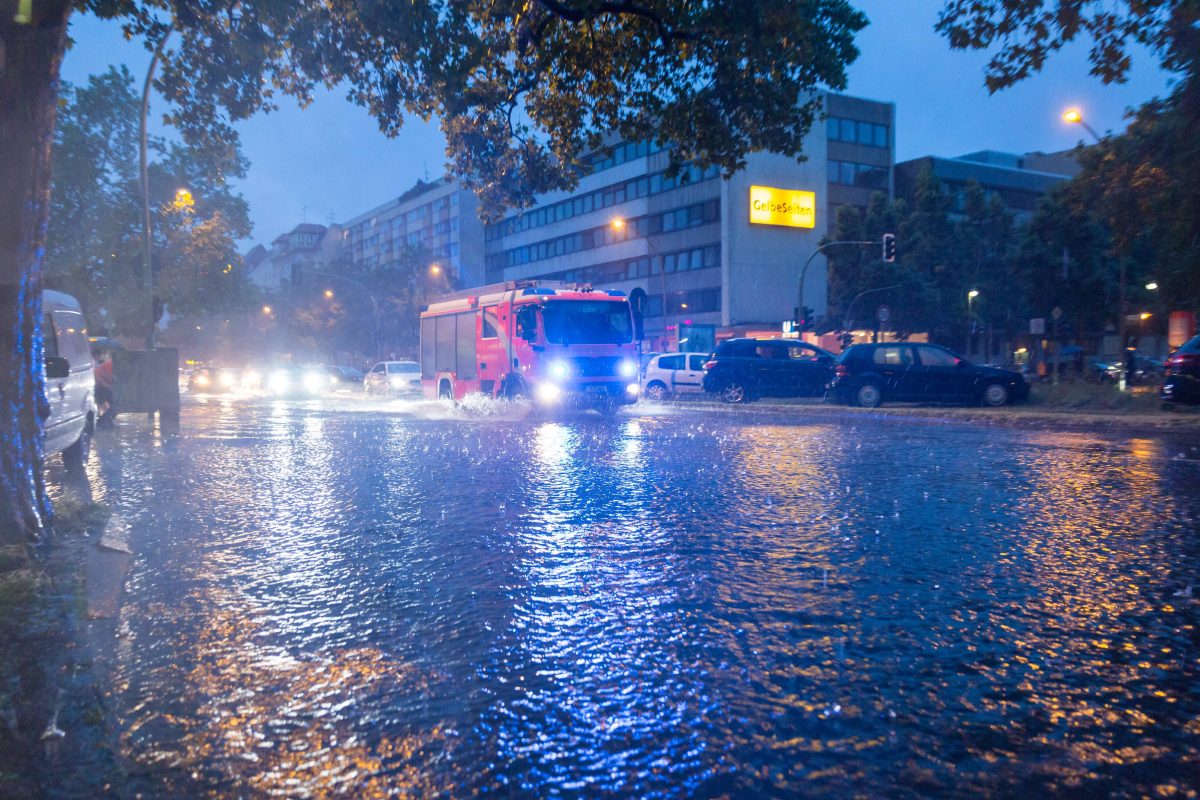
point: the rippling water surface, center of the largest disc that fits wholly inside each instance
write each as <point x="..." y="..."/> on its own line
<point x="357" y="602"/>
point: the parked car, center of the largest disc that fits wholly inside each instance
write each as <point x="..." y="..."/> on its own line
<point x="1145" y="369"/>
<point x="669" y="374"/>
<point x="393" y="377"/>
<point x="1181" y="384"/>
<point x="742" y="370"/>
<point x="869" y="374"/>
<point x="70" y="379"/>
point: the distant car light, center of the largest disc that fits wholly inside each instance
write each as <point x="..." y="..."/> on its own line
<point x="202" y="380"/>
<point x="312" y="382"/>
<point x="547" y="393"/>
<point x="632" y="389"/>
<point x="251" y="380"/>
<point x="280" y="382"/>
<point x="227" y="380"/>
<point x="628" y="369"/>
<point x="559" y="370"/>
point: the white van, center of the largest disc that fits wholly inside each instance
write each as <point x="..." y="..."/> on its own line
<point x="70" y="383"/>
<point x="670" y="374"/>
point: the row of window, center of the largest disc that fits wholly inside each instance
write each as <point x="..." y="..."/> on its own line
<point x="868" y="176"/>
<point x="620" y="153"/>
<point x="632" y="268"/>
<point x="855" y="131"/>
<point x="601" y="198"/>
<point x="697" y="301"/>
<point x="421" y="214"/>
<point x="676" y="219"/>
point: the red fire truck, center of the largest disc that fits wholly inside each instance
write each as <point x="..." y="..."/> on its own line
<point x="552" y="342"/>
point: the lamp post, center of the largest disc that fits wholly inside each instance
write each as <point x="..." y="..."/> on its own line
<point x="1073" y="116"/>
<point x="804" y="269"/>
<point x="365" y="290"/>
<point x="619" y="225"/>
<point x="971" y="295"/>
<point x="147" y="250"/>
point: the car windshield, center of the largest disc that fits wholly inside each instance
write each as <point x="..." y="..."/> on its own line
<point x="588" y="322"/>
<point x="403" y="368"/>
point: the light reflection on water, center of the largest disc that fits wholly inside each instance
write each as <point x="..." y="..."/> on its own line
<point x="355" y="604"/>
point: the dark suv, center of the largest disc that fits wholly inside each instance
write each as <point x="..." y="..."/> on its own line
<point x="742" y="370"/>
<point x="870" y="374"/>
<point x="1181" y="384"/>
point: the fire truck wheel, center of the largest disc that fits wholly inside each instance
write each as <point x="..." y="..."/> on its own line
<point x="444" y="391"/>
<point x="608" y="408"/>
<point x="514" y="389"/>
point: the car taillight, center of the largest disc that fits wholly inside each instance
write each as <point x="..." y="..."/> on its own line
<point x="841" y="371"/>
<point x="1180" y="360"/>
<point x="709" y="364"/>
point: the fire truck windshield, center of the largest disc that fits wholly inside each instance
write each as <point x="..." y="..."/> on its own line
<point x="588" y="322"/>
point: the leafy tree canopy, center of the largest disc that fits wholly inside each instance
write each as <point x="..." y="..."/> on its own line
<point x="94" y="242"/>
<point x="521" y="87"/>
<point x="1024" y="33"/>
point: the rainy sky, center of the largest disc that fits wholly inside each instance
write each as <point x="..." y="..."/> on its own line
<point x="330" y="162"/>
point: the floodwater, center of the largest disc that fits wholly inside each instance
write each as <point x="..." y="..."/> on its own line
<point x="363" y="600"/>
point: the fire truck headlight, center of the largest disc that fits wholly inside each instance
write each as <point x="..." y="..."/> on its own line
<point x="559" y="370"/>
<point x="632" y="389"/>
<point x="628" y="369"/>
<point x="547" y="393"/>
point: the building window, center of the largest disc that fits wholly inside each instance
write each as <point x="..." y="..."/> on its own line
<point x="871" y="134"/>
<point x="867" y="176"/>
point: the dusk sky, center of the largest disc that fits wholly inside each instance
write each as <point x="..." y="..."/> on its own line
<point x="329" y="162"/>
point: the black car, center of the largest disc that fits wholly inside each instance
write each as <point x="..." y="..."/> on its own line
<point x="344" y="379"/>
<point x="742" y="370"/>
<point x="1182" y="381"/>
<point x="870" y="374"/>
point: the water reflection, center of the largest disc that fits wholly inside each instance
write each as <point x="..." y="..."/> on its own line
<point x="358" y="604"/>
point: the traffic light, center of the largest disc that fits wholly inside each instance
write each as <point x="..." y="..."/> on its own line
<point x="804" y="319"/>
<point x="889" y="248"/>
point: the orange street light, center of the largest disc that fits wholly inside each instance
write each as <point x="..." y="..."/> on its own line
<point x="329" y="294"/>
<point x="617" y="224"/>
<point x="266" y="310"/>
<point x="435" y="269"/>
<point x="1074" y="116"/>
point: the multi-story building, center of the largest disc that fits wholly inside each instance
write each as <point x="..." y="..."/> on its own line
<point x="438" y="219"/>
<point x="1019" y="180"/>
<point x="715" y="256"/>
<point x="305" y="246"/>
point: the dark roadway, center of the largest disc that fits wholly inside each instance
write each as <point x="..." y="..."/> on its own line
<point x="361" y="599"/>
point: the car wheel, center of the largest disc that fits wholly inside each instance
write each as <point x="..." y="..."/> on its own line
<point x="656" y="391"/>
<point x="734" y="392"/>
<point x="75" y="456"/>
<point x="995" y="395"/>
<point x="868" y="396"/>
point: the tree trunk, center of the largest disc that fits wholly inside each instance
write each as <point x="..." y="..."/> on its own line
<point x="32" y="41"/>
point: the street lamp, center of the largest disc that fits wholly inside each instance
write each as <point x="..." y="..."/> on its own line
<point x="183" y="200"/>
<point x="1074" y="117"/>
<point x="146" y="250"/>
<point x="618" y="225"/>
<point x="1151" y="286"/>
<point x="971" y="295"/>
<point x="266" y="310"/>
<point x="329" y="294"/>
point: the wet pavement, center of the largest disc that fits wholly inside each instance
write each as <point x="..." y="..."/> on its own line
<point x="364" y="599"/>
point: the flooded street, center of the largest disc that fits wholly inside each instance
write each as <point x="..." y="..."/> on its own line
<point x="370" y="599"/>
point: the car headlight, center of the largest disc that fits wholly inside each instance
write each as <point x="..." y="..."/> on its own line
<point x="632" y="389"/>
<point x="202" y="380"/>
<point x="280" y="382"/>
<point x="251" y="379"/>
<point x="312" y="382"/>
<point x="547" y="393"/>
<point x="226" y="379"/>
<point x="559" y="370"/>
<point x="628" y="369"/>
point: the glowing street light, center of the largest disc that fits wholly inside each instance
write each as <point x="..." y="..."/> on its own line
<point x="435" y="269"/>
<point x="1145" y="315"/>
<point x="266" y="310"/>
<point x="971" y="295"/>
<point x="184" y="200"/>
<point x="1074" y="116"/>
<point x="329" y="294"/>
<point x="1151" y="286"/>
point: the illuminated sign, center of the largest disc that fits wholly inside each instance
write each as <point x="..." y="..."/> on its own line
<point x="789" y="207"/>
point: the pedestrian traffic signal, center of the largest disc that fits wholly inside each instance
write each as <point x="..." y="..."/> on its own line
<point x="889" y="248"/>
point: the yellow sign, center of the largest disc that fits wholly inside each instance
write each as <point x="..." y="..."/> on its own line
<point x="771" y="206"/>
